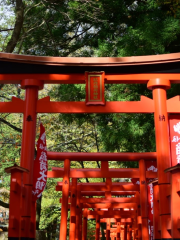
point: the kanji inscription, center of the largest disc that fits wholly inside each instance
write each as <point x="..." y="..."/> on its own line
<point x="95" y="88"/>
<point x="174" y="126"/>
<point x="40" y="165"/>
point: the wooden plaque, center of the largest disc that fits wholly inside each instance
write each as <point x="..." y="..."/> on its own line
<point x="95" y="88"/>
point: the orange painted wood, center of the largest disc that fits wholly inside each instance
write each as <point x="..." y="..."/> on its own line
<point x="108" y="226"/>
<point x="118" y="229"/>
<point x="156" y="217"/>
<point x="78" y="214"/>
<point x="98" y="173"/>
<point x="173" y="104"/>
<point x="138" y="223"/>
<point x="143" y="200"/>
<point x="80" y="223"/>
<point x="145" y="105"/>
<point x="33" y="221"/>
<point x="15" y="201"/>
<point x="84" y="236"/>
<point x="101" y="156"/>
<point x="110" y="205"/>
<point x="112" y="220"/>
<point x="80" y="78"/>
<point x="97" y="227"/>
<point x="64" y="207"/>
<point x="159" y="87"/>
<point x="15" y="106"/>
<point x="108" y="190"/>
<point x="102" y="187"/>
<point x="114" y="214"/>
<point x="125" y="232"/>
<point x="109" y="200"/>
<point x="100" y="193"/>
<point x="72" y="231"/>
<point x="27" y="155"/>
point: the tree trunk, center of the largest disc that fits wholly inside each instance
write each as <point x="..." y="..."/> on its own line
<point x="17" y="27"/>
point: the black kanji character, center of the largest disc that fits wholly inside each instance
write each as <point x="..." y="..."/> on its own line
<point x="65" y="182"/>
<point x="29" y="118"/>
<point x="162" y="118"/>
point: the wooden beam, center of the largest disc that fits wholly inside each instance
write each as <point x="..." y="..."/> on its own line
<point x="76" y="156"/>
<point x="100" y="193"/>
<point x="145" y="105"/>
<point x="110" y="205"/>
<point x="102" y="187"/>
<point x="140" y="78"/>
<point x="109" y="200"/>
<point x="98" y="173"/>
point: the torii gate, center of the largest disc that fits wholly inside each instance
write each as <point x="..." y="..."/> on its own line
<point x="107" y="173"/>
<point x="158" y="72"/>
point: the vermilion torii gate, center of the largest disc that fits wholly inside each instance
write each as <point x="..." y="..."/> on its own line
<point x="158" y="72"/>
<point x="95" y="189"/>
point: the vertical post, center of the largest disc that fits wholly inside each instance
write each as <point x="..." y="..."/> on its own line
<point x="159" y="87"/>
<point x="130" y="232"/>
<point x="138" y="220"/>
<point x="125" y="231"/>
<point x="128" y="236"/>
<point x="157" y="233"/>
<point x="143" y="200"/>
<point x="97" y="226"/>
<point x="73" y="210"/>
<point x="78" y="213"/>
<point x="27" y="150"/>
<point x="80" y="223"/>
<point x="108" y="227"/>
<point x="122" y="232"/>
<point x="118" y="229"/>
<point x="84" y="237"/>
<point x="33" y="220"/>
<point x="15" y="201"/>
<point x="64" y="206"/>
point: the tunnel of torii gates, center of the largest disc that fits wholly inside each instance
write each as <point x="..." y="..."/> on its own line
<point x="125" y="217"/>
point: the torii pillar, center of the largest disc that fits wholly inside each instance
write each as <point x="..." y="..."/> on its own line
<point x="84" y="236"/>
<point x="97" y="226"/>
<point x="143" y="200"/>
<point x="64" y="206"/>
<point x="78" y="215"/>
<point x="32" y="86"/>
<point x="159" y="87"/>
<point x="156" y="232"/>
<point x="72" y="232"/>
<point x="125" y="231"/>
<point x="118" y="229"/>
<point x="16" y="194"/>
<point x="108" y="227"/>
